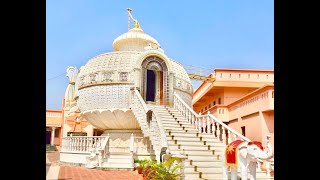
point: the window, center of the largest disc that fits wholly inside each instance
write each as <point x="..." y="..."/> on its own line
<point x="214" y="103"/>
<point x="239" y="75"/>
<point x="219" y="101"/>
<point x="248" y="76"/>
<point x="205" y="108"/>
<point x="243" y="130"/>
<point x="258" y="76"/>
<point x="209" y="106"/>
<point x="230" y="75"/>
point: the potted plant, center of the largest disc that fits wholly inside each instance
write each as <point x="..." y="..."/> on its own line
<point x="162" y="171"/>
<point x="141" y="164"/>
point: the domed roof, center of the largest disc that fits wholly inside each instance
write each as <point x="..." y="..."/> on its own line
<point x="124" y="61"/>
<point x="119" y="61"/>
<point x="133" y="40"/>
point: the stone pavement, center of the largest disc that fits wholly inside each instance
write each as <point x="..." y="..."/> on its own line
<point x="57" y="171"/>
<point x="81" y="173"/>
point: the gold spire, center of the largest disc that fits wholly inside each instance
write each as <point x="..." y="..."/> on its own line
<point x="136" y="24"/>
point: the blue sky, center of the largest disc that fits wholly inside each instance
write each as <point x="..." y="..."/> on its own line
<point x="207" y="33"/>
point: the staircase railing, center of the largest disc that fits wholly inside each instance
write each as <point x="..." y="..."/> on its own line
<point x="207" y="123"/>
<point x="149" y="122"/>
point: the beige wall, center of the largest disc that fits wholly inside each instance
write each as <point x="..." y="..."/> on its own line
<point x="252" y="125"/>
<point x="244" y="75"/>
<point x="209" y="100"/>
<point x="257" y="125"/>
<point x="234" y="93"/>
<point x="267" y="124"/>
<point x="57" y="136"/>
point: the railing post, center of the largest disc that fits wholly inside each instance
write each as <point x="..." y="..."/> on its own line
<point x="81" y="144"/>
<point x="218" y="130"/>
<point x="223" y="135"/>
<point x="193" y="120"/>
<point x="208" y="123"/>
<point x="131" y="143"/>
<point x="235" y="137"/>
<point x="199" y="123"/>
<point x="229" y="136"/>
<point x="204" y="123"/>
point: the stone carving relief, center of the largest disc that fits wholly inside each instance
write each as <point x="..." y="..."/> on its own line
<point x="123" y="76"/>
<point x="93" y="78"/>
<point x="104" y="77"/>
<point x="82" y="81"/>
<point x="71" y="91"/>
<point x="154" y="66"/>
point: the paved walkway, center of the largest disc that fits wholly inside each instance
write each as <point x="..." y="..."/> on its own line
<point x="56" y="171"/>
<point x="81" y="173"/>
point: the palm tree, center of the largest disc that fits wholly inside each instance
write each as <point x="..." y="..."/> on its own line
<point x="163" y="171"/>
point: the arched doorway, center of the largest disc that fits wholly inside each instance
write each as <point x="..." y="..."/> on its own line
<point x="151" y="86"/>
<point x="154" y="81"/>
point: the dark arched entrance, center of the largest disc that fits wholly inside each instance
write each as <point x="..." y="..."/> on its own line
<point x="151" y="85"/>
<point x="154" y="81"/>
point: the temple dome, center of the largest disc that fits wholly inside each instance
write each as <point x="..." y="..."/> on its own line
<point x="133" y="40"/>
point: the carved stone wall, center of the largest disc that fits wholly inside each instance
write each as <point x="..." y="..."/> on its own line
<point x="104" y="97"/>
<point x="185" y="96"/>
<point x="105" y="81"/>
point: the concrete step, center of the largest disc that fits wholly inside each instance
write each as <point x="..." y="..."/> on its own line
<point x="192" y="138"/>
<point x="115" y="166"/>
<point x="203" y="163"/>
<point x="172" y="121"/>
<point x="119" y="155"/>
<point x="206" y="158"/>
<point x="193" y="152"/>
<point x="203" y="169"/>
<point x="178" y="128"/>
<point x="190" y="142"/>
<point x="194" y="147"/>
<point x="171" y="115"/>
<point x="200" y="175"/>
<point x="190" y="134"/>
<point x="119" y="161"/>
<point x="211" y="175"/>
<point x="192" y="175"/>
<point x="185" y="126"/>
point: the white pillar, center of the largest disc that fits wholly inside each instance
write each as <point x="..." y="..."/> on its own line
<point x="52" y="135"/>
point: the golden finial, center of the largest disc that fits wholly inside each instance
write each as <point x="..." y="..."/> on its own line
<point x="136" y="23"/>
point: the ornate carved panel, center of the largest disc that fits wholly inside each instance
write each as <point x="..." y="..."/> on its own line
<point x="104" y="97"/>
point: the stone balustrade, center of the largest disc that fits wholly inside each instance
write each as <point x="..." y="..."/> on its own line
<point x="150" y="123"/>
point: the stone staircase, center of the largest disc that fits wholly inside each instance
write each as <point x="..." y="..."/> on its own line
<point x="118" y="161"/>
<point x="203" y="150"/>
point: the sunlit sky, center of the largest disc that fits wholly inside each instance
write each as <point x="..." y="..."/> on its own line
<point x="208" y="33"/>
